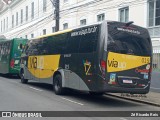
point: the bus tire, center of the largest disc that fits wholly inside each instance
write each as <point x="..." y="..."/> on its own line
<point x="24" y="81"/>
<point x="57" y="86"/>
<point x="96" y="93"/>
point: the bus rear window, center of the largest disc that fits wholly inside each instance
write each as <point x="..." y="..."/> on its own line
<point x="134" y="41"/>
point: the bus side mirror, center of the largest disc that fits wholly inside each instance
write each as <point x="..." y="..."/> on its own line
<point x="21" y="46"/>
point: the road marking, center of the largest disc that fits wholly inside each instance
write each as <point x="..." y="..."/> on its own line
<point x="155" y="88"/>
<point x="72" y="101"/>
<point x="123" y="119"/>
<point x="35" y="89"/>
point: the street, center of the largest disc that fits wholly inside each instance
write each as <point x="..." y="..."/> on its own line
<point x="33" y="96"/>
<point x="155" y="82"/>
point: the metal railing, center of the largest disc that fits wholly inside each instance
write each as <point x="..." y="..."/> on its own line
<point x="154" y="31"/>
<point x="156" y="60"/>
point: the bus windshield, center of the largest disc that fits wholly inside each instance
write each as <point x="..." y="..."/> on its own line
<point x="128" y="39"/>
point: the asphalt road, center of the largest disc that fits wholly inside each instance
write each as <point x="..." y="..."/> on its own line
<point x="155" y="82"/>
<point x="15" y="96"/>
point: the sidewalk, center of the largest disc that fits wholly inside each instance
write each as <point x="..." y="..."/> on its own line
<point x="151" y="98"/>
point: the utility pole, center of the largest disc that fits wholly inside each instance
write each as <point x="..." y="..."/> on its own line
<point x="55" y="4"/>
<point x="57" y="14"/>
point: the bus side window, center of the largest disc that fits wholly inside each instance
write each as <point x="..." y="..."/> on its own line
<point x="40" y="48"/>
<point x="55" y="44"/>
<point x="33" y="48"/>
<point x="87" y="43"/>
<point x="73" y="44"/>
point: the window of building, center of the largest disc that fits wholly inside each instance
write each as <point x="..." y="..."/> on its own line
<point x="124" y="14"/>
<point x="44" y="31"/>
<point x="53" y="29"/>
<point x="16" y="18"/>
<point x="26" y="13"/>
<point x="32" y="35"/>
<point x="65" y="26"/>
<point x="100" y="17"/>
<point x="65" y="1"/>
<point x="21" y="16"/>
<point x="12" y="21"/>
<point x="1" y="26"/>
<point x="7" y="23"/>
<point x="32" y="9"/>
<point x="4" y="27"/>
<point x="44" y="5"/>
<point x="154" y="13"/>
<point x="26" y="36"/>
<point x="83" y="22"/>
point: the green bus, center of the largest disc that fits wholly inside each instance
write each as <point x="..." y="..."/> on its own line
<point x="104" y="57"/>
<point x="10" y="53"/>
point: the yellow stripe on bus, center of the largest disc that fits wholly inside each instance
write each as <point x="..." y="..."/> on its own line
<point x="55" y="33"/>
<point x="120" y="62"/>
<point x="43" y="66"/>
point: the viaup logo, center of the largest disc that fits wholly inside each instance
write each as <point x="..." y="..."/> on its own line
<point x="116" y="64"/>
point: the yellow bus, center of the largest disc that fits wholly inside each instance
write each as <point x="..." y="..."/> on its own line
<point x="104" y="57"/>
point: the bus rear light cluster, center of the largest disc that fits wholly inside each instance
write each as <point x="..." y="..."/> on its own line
<point x="114" y="83"/>
<point x="103" y="67"/>
<point x="141" y="85"/>
<point x="12" y="63"/>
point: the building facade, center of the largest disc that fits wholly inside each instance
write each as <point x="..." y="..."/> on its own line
<point x="26" y="18"/>
<point x="32" y="18"/>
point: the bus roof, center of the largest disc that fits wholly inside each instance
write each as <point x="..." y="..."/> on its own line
<point x="52" y="34"/>
<point x="64" y="31"/>
<point x="4" y="40"/>
<point x="69" y="30"/>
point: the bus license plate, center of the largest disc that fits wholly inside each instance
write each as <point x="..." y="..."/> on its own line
<point x="127" y="81"/>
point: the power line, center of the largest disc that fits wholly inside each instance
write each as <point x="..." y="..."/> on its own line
<point x="107" y="8"/>
<point x="35" y="14"/>
<point x="63" y="12"/>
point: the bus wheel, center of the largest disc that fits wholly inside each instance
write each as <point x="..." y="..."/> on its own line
<point x="24" y="81"/>
<point x="58" y="89"/>
<point x="96" y="93"/>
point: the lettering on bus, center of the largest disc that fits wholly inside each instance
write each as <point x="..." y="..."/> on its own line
<point x="33" y="62"/>
<point x="129" y="30"/>
<point x="116" y="64"/>
<point x="36" y="62"/>
<point x="84" y="31"/>
<point x="146" y="60"/>
<point x="40" y="62"/>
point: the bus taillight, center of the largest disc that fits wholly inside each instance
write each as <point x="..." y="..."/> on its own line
<point x="12" y="63"/>
<point x="103" y="67"/>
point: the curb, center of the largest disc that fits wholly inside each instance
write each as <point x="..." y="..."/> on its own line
<point x="135" y="100"/>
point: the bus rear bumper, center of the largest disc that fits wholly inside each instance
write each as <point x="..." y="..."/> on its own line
<point x="104" y="86"/>
<point x="127" y="90"/>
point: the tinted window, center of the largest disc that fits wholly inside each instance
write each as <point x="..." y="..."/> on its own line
<point x="55" y="44"/>
<point x="32" y="47"/>
<point x="128" y="40"/>
<point x="88" y="41"/>
<point x="73" y="43"/>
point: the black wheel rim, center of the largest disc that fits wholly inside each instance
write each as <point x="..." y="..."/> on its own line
<point x="22" y="77"/>
<point x="57" y="85"/>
